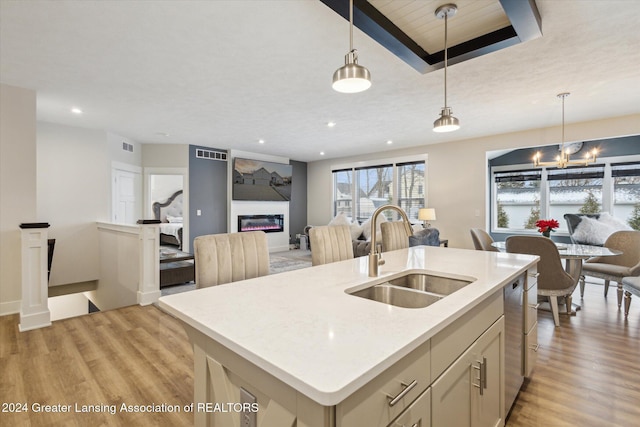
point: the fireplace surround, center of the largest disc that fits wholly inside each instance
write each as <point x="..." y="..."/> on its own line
<point x="267" y="223"/>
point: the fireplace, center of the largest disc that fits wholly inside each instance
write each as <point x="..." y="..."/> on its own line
<point x="266" y="223"/>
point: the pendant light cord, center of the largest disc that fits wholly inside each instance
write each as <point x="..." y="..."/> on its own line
<point x="446" y="17"/>
<point x="350" y="25"/>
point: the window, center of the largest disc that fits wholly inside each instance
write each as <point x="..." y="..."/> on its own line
<point x="574" y="190"/>
<point x="522" y="196"/>
<point x="518" y="199"/>
<point x="375" y="188"/>
<point x="411" y="188"/>
<point x="342" y="190"/>
<point x="359" y="191"/>
<point x="626" y="193"/>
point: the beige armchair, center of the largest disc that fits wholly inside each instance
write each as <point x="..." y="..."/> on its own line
<point x="631" y="285"/>
<point x="394" y="236"/>
<point x="330" y="243"/>
<point x="553" y="281"/>
<point x="618" y="266"/>
<point x="224" y="258"/>
<point x="482" y="240"/>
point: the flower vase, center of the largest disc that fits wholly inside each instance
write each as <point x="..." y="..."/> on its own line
<point x="546" y="233"/>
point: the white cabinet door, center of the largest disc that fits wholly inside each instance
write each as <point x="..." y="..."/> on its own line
<point x="471" y="391"/>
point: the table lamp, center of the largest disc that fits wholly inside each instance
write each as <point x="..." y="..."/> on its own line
<point x="427" y="214"/>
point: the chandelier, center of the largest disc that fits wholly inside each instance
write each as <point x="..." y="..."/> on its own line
<point x="564" y="158"/>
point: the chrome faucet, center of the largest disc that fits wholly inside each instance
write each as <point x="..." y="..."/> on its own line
<point x="375" y="256"/>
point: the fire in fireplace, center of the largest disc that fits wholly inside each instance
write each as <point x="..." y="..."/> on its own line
<point x="266" y="223"/>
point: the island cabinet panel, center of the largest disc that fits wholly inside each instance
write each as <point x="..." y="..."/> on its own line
<point x="530" y="323"/>
<point x="452" y="341"/>
<point x="471" y="391"/>
<point x="417" y="414"/>
<point x="382" y="399"/>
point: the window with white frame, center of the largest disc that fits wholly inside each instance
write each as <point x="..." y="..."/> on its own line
<point x="521" y="195"/>
<point x="360" y="190"/>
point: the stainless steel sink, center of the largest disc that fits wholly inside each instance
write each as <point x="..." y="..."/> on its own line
<point x="430" y="283"/>
<point x="398" y="296"/>
<point x="413" y="290"/>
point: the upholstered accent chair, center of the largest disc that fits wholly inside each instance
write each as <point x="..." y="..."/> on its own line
<point x="482" y="240"/>
<point x="573" y="220"/>
<point x="330" y="243"/>
<point x="428" y="237"/>
<point x="225" y="258"/>
<point x="394" y="236"/>
<point x="615" y="267"/>
<point x="553" y="281"/>
<point x="630" y="285"/>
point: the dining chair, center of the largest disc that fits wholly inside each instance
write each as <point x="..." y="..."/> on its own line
<point x="553" y="281"/>
<point x="330" y="243"/>
<point x="230" y="257"/>
<point x="630" y="285"/>
<point x="394" y="236"/>
<point x="618" y="266"/>
<point x="482" y="240"/>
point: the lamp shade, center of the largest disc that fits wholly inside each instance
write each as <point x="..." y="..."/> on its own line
<point x="427" y="214"/>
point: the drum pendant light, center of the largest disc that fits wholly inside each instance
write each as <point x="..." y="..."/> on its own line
<point x="351" y="77"/>
<point x="446" y="122"/>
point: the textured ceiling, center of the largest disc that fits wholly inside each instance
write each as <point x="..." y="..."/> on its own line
<point x="227" y="73"/>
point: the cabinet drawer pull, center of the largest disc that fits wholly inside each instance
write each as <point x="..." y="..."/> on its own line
<point x="407" y="389"/>
<point x="534" y="347"/>
<point x="534" y="275"/>
<point x="534" y="306"/>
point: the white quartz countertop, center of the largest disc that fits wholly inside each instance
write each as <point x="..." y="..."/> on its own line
<point x="303" y="328"/>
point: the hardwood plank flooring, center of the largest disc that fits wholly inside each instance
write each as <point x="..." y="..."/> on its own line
<point x="588" y="370"/>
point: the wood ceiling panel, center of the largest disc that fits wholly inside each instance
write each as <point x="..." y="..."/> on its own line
<point x="416" y="19"/>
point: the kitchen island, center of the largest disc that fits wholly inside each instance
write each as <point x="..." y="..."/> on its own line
<point x="312" y="354"/>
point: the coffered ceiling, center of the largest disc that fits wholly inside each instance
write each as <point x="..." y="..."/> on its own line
<point x="225" y="74"/>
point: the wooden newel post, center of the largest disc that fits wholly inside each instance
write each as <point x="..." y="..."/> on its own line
<point x="34" y="307"/>
<point x="149" y="282"/>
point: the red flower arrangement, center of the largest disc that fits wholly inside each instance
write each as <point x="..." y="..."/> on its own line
<point x="546" y="226"/>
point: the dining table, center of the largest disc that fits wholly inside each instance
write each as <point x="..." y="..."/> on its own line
<point x="573" y="254"/>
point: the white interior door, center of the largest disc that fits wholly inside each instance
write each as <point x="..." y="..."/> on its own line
<point x="124" y="196"/>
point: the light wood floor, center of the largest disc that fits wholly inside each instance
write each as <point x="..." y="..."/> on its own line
<point x="588" y="371"/>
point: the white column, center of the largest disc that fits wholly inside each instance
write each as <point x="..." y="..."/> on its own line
<point x="149" y="283"/>
<point x="34" y="307"/>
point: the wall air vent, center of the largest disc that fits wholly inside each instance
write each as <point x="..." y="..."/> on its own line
<point x="211" y="154"/>
<point x="127" y="147"/>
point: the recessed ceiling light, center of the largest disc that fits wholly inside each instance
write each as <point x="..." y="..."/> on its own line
<point x="389" y="142"/>
<point x="322" y="153"/>
<point x="261" y="141"/>
<point x="331" y="124"/>
<point x="76" y="110"/>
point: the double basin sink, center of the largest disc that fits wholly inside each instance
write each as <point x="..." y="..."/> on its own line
<point x="413" y="290"/>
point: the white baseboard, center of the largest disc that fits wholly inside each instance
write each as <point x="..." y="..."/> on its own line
<point x="10" y="307"/>
<point x="146" y="298"/>
<point x="34" y="321"/>
<point x="283" y="248"/>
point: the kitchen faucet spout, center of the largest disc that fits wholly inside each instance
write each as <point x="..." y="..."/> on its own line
<point x="375" y="256"/>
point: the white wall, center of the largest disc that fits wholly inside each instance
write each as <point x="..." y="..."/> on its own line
<point x="74" y="191"/>
<point x="457" y="181"/>
<point x="17" y="186"/>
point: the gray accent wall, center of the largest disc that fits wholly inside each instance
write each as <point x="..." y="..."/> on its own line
<point x="298" y="203"/>
<point x="208" y="193"/>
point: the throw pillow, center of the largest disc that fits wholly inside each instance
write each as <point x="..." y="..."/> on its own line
<point x="356" y="230"/>
<point x="592" y="231"/>
<point x="340" y="219"/>
<point x="366" y="227"/>
<point x="427" y="236"/>
<point x="615" y="223"/>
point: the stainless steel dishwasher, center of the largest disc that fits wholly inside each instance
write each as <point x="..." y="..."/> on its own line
<point x="513" y="315"/>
